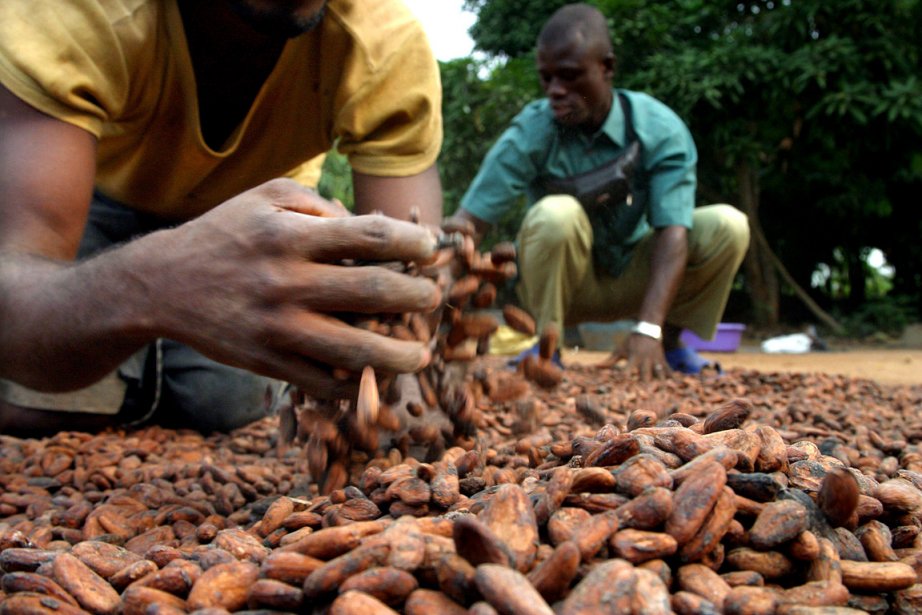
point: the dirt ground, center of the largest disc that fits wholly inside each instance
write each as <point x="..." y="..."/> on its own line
<point x="886" y="366"/>
<point x="891" y="362"/>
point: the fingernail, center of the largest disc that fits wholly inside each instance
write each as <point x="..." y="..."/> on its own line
<point x="437" y="299"/>
<point x="424" y="359"/>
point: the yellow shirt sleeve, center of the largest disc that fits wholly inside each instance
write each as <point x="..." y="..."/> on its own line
<point x="66" y="59"/>
<point x="390" y="122"/>
<point x="308" y="174"/>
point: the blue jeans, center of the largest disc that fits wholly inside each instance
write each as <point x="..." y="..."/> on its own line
<point x="169" y="383"/>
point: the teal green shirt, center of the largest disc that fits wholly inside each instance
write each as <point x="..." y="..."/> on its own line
<point x="535" y="148"/>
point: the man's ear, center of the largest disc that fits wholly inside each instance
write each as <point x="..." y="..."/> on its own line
<point x="610" y="63"/>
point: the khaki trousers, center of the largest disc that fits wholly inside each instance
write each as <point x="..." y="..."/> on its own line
<point x="558" y="281"/>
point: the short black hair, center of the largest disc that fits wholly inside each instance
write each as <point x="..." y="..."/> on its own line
<point x="582" y="21"/>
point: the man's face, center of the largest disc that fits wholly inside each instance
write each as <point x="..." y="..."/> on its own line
<point x="577" y="81"/>
<point x="281" y="18"/>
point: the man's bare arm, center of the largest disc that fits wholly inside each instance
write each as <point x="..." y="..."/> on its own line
<point x="668" y="260"/>
<point x="397" y="196"/>
<point x="667" y="267"/>
<point x="253" y="283"/>
<point x="46" y="181"/>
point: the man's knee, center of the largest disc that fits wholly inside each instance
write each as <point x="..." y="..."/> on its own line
<point x="725" y="226"/>
<point x="736" y="225"/>
<point x="202" y="394"/>
<point x="555" y="220"/>
<point x="215" y="401"/>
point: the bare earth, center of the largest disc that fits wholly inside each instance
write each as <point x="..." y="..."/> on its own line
<point x="886" y="366"/>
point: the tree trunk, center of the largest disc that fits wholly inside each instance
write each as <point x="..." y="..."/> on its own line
<point x="761" y="277"/>
<point x="857" y="279"/>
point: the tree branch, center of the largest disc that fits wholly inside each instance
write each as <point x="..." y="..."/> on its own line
<point x="817" y="311"/>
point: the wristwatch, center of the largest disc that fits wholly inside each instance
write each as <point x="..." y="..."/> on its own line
<point x="649" y="329"/>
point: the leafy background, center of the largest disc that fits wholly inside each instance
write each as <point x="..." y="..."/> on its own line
<point x="807" y="115"/>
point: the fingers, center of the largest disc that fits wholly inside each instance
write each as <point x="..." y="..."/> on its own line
<point x="368" y="238"/>
<point x="292" y="196"/>
<point x="315" y="379"/>
<point x="653" y="371"/>
<point x="611" y="360"/>
<point x="643" y="368"/>
<point x="329" y="341"/>
<point x="366" y="289"/>
<point x="456" y="224"/>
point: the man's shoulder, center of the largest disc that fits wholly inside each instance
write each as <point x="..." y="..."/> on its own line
<point x="100" y="28"/>
<point x="138" y="15"/>
<point x="378" y="27"/>
<point x="536" y="111"/>
<point x="535" y="120"/>
<point x="646" y="103"/>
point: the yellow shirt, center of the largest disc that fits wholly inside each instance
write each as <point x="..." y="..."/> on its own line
<point x="120" y="69"/>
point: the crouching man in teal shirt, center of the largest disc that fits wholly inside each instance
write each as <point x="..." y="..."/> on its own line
<point x="612" y="231"/>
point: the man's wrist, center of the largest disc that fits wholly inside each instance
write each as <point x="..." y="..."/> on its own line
<point x="648" y="329"/>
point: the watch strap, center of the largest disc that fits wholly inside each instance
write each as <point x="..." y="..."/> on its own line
<point x="648" y="328"/>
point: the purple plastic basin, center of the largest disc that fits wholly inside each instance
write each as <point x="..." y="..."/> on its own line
<point x="726" y="339"/>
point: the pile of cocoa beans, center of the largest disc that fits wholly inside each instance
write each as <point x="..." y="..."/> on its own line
<point x="746" y="493"/>
<point x="426" y="412"/>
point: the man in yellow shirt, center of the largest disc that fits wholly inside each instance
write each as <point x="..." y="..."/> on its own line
<point x="153" y="266"/>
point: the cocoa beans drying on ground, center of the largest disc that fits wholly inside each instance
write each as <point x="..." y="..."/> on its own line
<point x="749" y="493"/>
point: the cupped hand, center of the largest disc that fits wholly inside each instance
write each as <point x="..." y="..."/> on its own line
<point x="642" y="355"/>
<point x="260" y="281"/>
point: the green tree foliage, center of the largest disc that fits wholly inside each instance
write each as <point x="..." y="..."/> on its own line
<point x="479" y="100"/>
<point x="509" y="28"/>
<point x="807" y="115"/>
<point x="336" y="179"/>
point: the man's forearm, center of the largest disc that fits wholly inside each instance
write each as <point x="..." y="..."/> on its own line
<point x="65" y="325"/>
<point x="397" y="197"/>
<point x="667" y="267"/>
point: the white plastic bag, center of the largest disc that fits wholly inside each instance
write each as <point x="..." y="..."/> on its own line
<point x="795" y="343"/>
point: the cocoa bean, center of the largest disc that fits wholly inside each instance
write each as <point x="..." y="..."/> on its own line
<point x="519" y="319"/>
<point x="778" y="523"/>
<point x="15" y="582"/>
<point x="637" y="546"/>
<point x="29" y="603"/>
<point x="224" y="586"/>
<point x="509" y="592"/>
<point x="335" y="572"/>
<point x="139" y="600"/>
<point x="357" y="603"/>
<point x="609" y="587"/>
<point x="427" y="602"/>
<point x="838" y="496"/>
<point x="509" y="514"/>
<point x="553" y="576"/>
<point x="693" y="501"/>
<point x="90" y="590"/>
<point x="389" y="585"/>
<point x="701" y="580"/>
<point x="272" y="594"/>
<point x="877" y="576"/>
<point x="455" y="577"/>
<point x="770" y="564"/>
<point x="478" y="544"/>
<point x="333" y="541"/>
<point x="745" y="600"/>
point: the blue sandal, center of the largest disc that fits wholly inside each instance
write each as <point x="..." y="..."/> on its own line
<point x="687" y="361"/>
